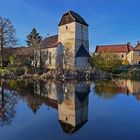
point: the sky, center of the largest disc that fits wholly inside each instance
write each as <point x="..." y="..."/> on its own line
<point x="110" y="21"/>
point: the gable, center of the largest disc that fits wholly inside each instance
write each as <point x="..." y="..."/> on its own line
<point x="137" y="48"/>
<point x="66" y="19"/>
<point x="70" y="17"/>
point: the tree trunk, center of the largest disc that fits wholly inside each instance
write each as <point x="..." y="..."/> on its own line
<point x="1" y="46"/>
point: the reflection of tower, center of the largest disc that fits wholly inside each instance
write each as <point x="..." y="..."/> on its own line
<point x="73" y="110"/>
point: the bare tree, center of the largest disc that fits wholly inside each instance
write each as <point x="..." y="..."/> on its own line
<point x="7" y="35"/>
<point x="68" y="55"/>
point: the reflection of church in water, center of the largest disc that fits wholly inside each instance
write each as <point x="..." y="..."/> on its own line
<point x="71" y="99"/>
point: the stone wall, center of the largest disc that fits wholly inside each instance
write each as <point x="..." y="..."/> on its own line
<point x="66" y="36"/>
<point x="72" y="36"/>
<point x="81" y="36"/>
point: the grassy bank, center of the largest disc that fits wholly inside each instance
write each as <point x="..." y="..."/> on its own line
<point x="128" y="72"/>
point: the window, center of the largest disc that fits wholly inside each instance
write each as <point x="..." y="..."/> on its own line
<point x="66" y="27"/>
<point x="138" y="53"/>
<point x="138" y="62"/>
<point x="122" y="56"/>
<point x="46" y="55"/>
<point x="50" y="58"/>
<point x="88" y="60"/>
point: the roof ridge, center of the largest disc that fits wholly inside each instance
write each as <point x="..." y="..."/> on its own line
<point x="114" y="48"/>
<point x="111" y="45"/>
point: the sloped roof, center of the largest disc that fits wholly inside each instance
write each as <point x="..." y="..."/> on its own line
<point x="70" y="17"/>
<point x="82" y="95"/>
<point x="19" y="51"/>
<point x="50" y="42"/>
<point x="82" y="52"/>
<point x="69" y="129"/>
<point x="137" y="48"/>
<point x="114" y="48"/>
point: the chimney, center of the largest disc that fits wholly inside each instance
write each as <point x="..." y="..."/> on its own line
<point x="128" y="43"/>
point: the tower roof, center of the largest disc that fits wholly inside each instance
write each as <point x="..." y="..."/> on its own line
<point x="69" y="129"/>
<point x="70" y="17"/>
<point x="82" y="52"/>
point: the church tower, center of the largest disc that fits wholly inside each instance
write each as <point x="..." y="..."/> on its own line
<point x="73" y="34"/>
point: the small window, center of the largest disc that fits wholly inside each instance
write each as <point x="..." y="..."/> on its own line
<point x="66" y="27"/>
<point x="88" y="60"/>
<point x="122" y="56"/>
<point x="50" y="58"/>
<point x="139" y="62"/>
<point x="47" y="55"/>
<point x="138" y="53"/>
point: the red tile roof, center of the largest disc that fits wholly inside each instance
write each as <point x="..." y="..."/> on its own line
<point x="114" y="48"/>
<point x="50" y="42"/>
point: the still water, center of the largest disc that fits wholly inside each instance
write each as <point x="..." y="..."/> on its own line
<point x="98" y="110"/>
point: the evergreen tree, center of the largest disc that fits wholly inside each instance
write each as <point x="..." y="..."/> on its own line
<point x="33" y="39"/>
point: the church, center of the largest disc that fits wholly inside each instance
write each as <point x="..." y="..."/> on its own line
<point x="69" y="49"/>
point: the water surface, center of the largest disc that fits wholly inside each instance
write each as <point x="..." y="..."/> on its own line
<point x="99" y="110"/>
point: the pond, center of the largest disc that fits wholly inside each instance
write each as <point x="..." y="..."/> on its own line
<point x="50" y="110"/>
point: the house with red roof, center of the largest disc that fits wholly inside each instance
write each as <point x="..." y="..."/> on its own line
<point x="122" y="50"/>
<point x="69" y="49"/>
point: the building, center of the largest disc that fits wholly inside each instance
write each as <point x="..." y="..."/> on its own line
<point x="126" y="52"/>
<point x="134" y="55"/>
<point x="121" y="50"/>
<point x="70" y="48"/>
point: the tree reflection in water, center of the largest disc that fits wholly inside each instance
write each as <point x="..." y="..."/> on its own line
<point x="8" y="101"/>
<point x="110" y="88"/>
<point x="106" y="88"/>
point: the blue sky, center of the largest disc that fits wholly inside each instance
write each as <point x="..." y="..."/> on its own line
<point x="111" y="21"/>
